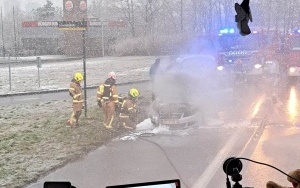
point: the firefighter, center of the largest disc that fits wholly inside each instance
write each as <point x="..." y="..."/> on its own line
<point x="129" y="110"/>
<point x="77" y="96"/>
<point x="154" y="69"/>
<point x="107" y="97"/>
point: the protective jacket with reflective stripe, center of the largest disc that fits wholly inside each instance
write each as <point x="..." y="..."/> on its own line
<point x="112" y="95"/>
<point x="76" y="92"/>
<point x="128" y="108"/>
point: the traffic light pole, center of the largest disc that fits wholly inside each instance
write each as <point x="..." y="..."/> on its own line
<point x="84" y="71"/>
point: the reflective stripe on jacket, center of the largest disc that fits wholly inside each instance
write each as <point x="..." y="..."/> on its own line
<point x="76" y="92"/>
<point x="113" y="95"/>
<point x="128" y="107"/>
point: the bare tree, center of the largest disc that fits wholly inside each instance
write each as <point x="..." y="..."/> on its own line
<point x="127" y="7"/>
<point x="47" y="12"/>
<point x="195" y="15"/>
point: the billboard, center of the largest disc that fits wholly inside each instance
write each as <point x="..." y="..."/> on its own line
<point x="75" y="11"/>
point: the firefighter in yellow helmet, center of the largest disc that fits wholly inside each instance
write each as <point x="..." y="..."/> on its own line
<point x="75" y="91"/>
<point x="129" y="110"/>
<point x="107" y="97"/>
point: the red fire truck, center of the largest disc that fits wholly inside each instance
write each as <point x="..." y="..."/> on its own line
<point x="241" y="57"/>
<point x="284" y="54"/>
<point x="291" y="50"/>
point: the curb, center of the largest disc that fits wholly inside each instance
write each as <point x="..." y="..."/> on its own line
<point x="64" y="90"/>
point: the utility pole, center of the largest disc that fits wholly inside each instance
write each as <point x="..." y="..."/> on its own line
<point x="181" y="16"/>
<point x="2" y="32"/>
<point x="84" y="66"/>
<point x="102" y="39"/>
<point x="15" y="34"/>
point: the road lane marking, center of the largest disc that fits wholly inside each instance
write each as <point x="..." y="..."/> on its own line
<point x="249" y="141"/>
<point x="212" y="168"/>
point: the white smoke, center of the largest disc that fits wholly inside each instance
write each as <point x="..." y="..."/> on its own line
<point x="191" y="79"/>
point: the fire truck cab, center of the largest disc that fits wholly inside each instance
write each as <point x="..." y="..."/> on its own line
<point x="285" y="51"/>
<point x="292" y="54"/>
<point x="238" y="55"/>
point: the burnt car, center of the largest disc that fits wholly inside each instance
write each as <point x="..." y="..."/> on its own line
<point x="181" y="92"/>
<point x="173" y="114"/>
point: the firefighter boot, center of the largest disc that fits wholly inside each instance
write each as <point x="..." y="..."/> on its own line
<point x="125" y="126"/>
<point x="77" y="115"/>
<point x="106" y="126"/>
<point x="110" y="122"/>
<point x="70" y="122"/>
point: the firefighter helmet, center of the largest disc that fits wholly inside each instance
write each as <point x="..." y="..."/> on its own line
<point x="134" y="93"/>
<point x="112" y="75"/>
<point x="110" y="81"/>
<point x="78" y="77"/>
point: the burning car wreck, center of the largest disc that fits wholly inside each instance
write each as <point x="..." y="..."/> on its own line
<point x="182" y="90"/>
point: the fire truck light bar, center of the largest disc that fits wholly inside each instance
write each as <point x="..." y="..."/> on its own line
<point x="227" y="30"/>
<point x="296" y="31"/>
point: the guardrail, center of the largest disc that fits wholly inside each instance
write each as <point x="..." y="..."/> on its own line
<point x="65" y="89"/>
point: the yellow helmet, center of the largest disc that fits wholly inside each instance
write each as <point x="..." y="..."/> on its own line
<point x="134" y="93"/>
<point x="78" y="77"/>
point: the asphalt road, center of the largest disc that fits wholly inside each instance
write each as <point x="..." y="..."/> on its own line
<point x="47" y="97"/>
<point x="278" y="146"/>
<point x="194" y="155"/>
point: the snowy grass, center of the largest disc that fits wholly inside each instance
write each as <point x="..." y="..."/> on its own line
<point x="34" y="139"/>
<point x="58" y="75"/>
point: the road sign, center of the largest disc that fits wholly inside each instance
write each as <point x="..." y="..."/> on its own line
<point x="72" y="25"/>
<point x="39" y="62"/>
<point x="39" y="24"/>
<point x="27" y="24"/>
<point x="72" y="29"/>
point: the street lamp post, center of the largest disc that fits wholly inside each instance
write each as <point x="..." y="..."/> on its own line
<point x="84" y="66"/>
<point x="2" y="33"/>
<point x="15" y="34"/>
<point x="102" y="39"/>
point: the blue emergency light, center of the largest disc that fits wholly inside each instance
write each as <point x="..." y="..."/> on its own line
<point x="223" y="31"/>
<point x="296" y="31"/>
<point x="227" y="30"/>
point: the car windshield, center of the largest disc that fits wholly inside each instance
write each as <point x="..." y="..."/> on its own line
<point x="101" y="93"/>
